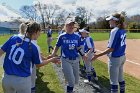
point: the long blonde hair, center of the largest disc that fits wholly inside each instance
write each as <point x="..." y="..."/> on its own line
<point x="22" y="28"/>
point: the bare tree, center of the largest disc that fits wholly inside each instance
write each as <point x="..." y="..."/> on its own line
<point x="29" y="12"/>
<point x="81" y="16"/>
<point x="49" y="11"/>
<point x="61" y="17"/>
<point x="89" y="14"/>
<point x="81" y="12"/>
<point x="38" y="6"/>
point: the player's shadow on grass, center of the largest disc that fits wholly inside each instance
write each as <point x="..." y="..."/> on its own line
<point x="103" y="82"/>
<point x="41" y="86"/>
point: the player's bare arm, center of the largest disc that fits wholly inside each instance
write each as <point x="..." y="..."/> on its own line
<point x="1" y="52"/>
<point x="103" y="53"/>
<point x="90" y="51"/>
<point x="54" y="51"/>
<point x="46" y="61"/>
<point x="81" y="52"/>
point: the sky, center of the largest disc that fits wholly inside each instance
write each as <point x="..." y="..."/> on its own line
<point x="99" y="7"/>
<point x="16" y="4"/>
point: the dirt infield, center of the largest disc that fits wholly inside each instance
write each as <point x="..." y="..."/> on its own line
<point x="132" y="65"/>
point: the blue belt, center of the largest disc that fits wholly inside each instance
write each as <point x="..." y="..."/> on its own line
<point x="70" y="58"/>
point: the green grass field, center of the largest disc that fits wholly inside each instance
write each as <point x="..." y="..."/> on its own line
<point x="132" y="84"/>
<point x="48" y="81"/>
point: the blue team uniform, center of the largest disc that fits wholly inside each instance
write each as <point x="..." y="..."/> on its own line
<point x="69" y="58"/>
<point x="69" y="44"/>
<point x="117" y="59"/>
<point x="117" y="42"/>
<point x="82" y="40"/>
<point x="88" y="44"/>
<point x="49" y="33"/>
<point x="19" y="59"/>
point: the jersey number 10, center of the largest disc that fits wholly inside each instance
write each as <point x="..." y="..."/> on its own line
<point x="13" y="54"/>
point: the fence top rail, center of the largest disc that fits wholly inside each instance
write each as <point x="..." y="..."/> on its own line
<point x="17" y="29"/>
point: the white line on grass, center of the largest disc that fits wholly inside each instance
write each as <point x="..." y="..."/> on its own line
<point x="126" y="59"/>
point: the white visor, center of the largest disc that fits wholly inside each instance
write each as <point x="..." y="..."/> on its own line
<point x="83" y="30"/>
<point x="70" y="20"/>
<point x="112" y="18"/>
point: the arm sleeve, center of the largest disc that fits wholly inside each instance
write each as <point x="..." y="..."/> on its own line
<point x="37" y="56"/>
<point x="112" y="39"/>
<point x="89" y="42"/>
<point x="59" y="41"/>
<point x="6" y="44"/>
<point x="79" y="42"/>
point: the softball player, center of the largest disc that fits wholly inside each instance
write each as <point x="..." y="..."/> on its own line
<point x="116" y="52"/>
<point x="21" y="54"/>
<point x="69" y="43"/>
<point x="49" y="38"/>
<point x="60" y="31"/>
<point x="22" y="31"/>
<point x="89" y="51"/>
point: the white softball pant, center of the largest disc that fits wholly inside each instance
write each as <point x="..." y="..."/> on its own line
<point x="116" y="69"/>
<point x="33" y="76"/>
<point x="70" y="69"/>
<point x="16" y="84"/>
<point x="88" y="63"/>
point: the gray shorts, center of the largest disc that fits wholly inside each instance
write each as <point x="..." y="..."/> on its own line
<point x="16" y="84"/>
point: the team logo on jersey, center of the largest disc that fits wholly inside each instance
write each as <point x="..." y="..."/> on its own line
<point x="64" y="37"/>
<point x="70" y="41"/>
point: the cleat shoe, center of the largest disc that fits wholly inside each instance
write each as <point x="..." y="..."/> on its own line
<point x="86" y="81"/>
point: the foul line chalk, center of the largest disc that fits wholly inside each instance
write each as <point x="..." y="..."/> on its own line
<point x="126" y="59"/>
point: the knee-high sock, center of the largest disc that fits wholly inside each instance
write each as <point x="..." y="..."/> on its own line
<point x="93" y="71"/>
<point x="33" y="90"/>
<point x="122" y="87"/>
<point x="89" y="76"/>
<point x="114" y="88"/>
<point x="69" y="89"/>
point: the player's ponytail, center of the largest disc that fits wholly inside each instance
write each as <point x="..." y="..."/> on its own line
<point x="32" y="28"/>
<point x="22" y="28"/>
<point x="22" y="31"/>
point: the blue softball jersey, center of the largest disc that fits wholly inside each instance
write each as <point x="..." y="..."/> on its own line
<point x="82" y="40"/>
<point x="117" y="41"/>
<point x="88" y="44"/>
<point x="69" y="44"/>
<point x="19" y="59"/>
<point x="49" y="33"/>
